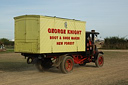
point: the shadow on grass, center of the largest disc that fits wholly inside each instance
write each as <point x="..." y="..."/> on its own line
<point x="14" y="66"/>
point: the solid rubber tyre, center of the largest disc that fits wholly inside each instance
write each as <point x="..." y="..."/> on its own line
<point x="45" y="64"/>
<point x="67" y="64"/>
<point x="99" y="62"/>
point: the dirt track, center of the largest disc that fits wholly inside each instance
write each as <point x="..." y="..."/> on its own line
<point x="15" y="71"/>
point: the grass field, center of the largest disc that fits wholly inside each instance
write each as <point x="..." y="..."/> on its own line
<point x="7" y="51"/>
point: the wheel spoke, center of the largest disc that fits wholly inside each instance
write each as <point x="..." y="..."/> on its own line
<point x="68" y="65"/>
<point x="100" y="60"/>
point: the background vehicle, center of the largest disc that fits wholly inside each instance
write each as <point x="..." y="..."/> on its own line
<point x="50" y="41"/>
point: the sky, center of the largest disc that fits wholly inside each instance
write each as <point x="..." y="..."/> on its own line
<point x="108" y="17"/>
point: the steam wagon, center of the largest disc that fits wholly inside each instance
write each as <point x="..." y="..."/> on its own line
<point x="52" y="41"/>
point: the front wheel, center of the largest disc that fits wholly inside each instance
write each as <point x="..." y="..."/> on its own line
<point x="67" y="64"/>
<point x="99" y="61"/>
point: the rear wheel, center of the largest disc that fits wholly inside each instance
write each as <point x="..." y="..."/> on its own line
<point x="67" y="64"/>
<point x="45" y="64"/>
<point x="99" y="61"/>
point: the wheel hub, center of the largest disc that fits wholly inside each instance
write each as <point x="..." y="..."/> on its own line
<point x="100" y="60"/>
<point x="69" y="65"/>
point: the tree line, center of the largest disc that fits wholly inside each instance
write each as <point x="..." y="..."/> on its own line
<point x="115" y="43"/>
<point x="6" y="42"/>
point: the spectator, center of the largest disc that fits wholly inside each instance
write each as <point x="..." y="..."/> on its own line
<point x="2" y="46"/>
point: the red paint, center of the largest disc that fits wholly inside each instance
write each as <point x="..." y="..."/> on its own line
<point x="68" y="65"/>
<point x="100" y="60"/>
<point x="59" y="31"/>
<point x="49" y="30"/>
<point x="79" y="59"/>
<point x="90" y="43"/>
<point x="59" y="43"/>
<point x="60" y="37"/>
<point x="74" y="32"/>
<point x="75" y="38"/>
<point x="68" y="43"/>
<point x="66" y="38"/>
<point x="53" y="37"/>
<point x="63" y="31"/>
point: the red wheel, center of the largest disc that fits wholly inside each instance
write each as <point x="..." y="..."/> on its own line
<point x="99" y="61"/>
<point x="67" y="64"/>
